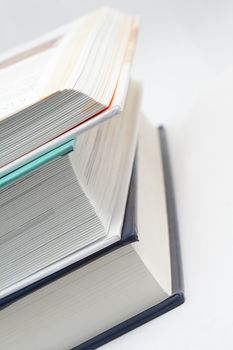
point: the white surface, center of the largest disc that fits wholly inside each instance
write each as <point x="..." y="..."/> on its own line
<point x="185" y="60"/>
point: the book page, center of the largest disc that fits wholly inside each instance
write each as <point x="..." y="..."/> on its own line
<point x="21" y="77"/>
<point x="88" y="58"/>
<point x="152" y="217"/>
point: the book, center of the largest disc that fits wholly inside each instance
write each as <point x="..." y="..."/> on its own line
<point x="70" y="207"/>
<point x="89" y="243"/>
<point x="53" y="91"/>
<point x="119" y="291"/>
<point x="58" y="86"/>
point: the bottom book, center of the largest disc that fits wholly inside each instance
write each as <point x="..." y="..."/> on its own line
<point x="120" y="290"/>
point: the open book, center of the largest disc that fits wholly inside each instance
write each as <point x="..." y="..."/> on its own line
<point x="61" y="81"/>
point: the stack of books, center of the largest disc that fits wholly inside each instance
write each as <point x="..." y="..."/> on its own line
<point x="89" y="245"/>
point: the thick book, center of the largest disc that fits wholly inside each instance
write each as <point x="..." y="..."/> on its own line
<point x="129" y="234"/>
<point x="176" y="295"/>
<point x="63" y="208"/>
<point x="118" y="291"/>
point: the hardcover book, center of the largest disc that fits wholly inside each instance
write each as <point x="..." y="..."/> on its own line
<point x="123" y="288"/>
<point x="89" y="244"/>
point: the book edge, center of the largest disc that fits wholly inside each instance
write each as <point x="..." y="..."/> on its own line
<point x="132" y="323"/>
<point x="177" y="298"/>
<point x="129" y="234"/>
<point x="174" y="240"/>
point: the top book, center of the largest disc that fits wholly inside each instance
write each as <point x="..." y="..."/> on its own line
<point x="76" y="74"/>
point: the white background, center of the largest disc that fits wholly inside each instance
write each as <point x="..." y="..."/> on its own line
<point x="184" y="59"/>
